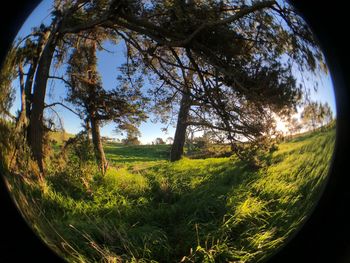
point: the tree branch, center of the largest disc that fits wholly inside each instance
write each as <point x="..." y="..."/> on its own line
<point x="84" y="26"/>
<point x="145" y="27"/>
<point x="244" y="11"/>
<point x="9" y="114"/>
<point x="61" y="78"/>
<point x="209" y="125"/>
<point x="59" y="118"/>
<point x="61" y="104"/>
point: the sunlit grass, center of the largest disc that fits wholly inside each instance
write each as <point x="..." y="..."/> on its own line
<point x="124" y="181"/>
<point x="147" y="209"/>
<point x="121" y="154"/>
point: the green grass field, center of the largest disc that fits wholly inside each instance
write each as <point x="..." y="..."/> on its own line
<point x="117" y="153"/>
<point x="147" y="209"/>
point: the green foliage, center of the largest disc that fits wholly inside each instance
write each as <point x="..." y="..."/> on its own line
<point x="131" y="140"/>
<point x="317" y="114"/>
<point x="158" y="141"/>
<point x="122" y="105"/>
<point x="151" y="210"/>
<point x="81" y="148"/>
<point x="7" y="75"/>
<point x="6" y="138"/>
<point x="200" y="143"/>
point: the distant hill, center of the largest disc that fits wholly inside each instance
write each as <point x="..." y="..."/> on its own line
<point x="60" y="136"/>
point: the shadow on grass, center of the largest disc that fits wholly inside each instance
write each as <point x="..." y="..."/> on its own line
<point x="194" y="202"/>
<point x="182" y="205"/>
<point x="186" y="210"/>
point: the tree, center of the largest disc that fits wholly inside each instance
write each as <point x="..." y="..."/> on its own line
<point x="214" y="33"/>
<point x="190" y="137"/>
<point x="326" y="115"/>
<point x="294" y="126"/>
<point x="36" y="125"/>
<point x="7" y="75"/>
<point x="310" y="115"/>
<point x="85" y="91"/>
<point x="316" y="114"/>
<point x="200" y="143"/>
<point x="169" y="140"/>
<point x="65" y="14"/>
<point x="177" y="148"/>
<point x="159" y="141"/>
<point x="96" y="104"/>
<point x="131" y="139"/>
<point x="28" y="55"/>
<point x="231" y="71"/>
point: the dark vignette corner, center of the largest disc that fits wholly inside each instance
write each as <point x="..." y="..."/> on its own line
<point x="326" y="235"/>
<point x="18" y="242"/>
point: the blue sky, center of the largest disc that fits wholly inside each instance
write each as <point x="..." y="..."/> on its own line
<point x="107" y="65"/>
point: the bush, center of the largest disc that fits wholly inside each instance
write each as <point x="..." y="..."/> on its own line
<point x="131" y="140"/>
<point x="79" y="147"/>
<point x="198" y="144"/>
<point x="159" y="141"/>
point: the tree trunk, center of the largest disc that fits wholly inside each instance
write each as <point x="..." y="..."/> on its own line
<point x="29" y="84"/>
<point x="31" y="72"/>
<point x="26" y="88"/>
<point x="98" y="147"/>
<point x="36" y="126"/>
<point x="177" y="148"/>
<point x="22" y="119"/>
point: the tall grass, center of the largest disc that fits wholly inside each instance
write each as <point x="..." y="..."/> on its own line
<point x="147" y="209"/>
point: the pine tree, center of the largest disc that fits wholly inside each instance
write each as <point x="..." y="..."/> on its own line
<point x="96" y="104"/>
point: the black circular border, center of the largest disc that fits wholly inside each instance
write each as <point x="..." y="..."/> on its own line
<point x="325" y="237"/>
